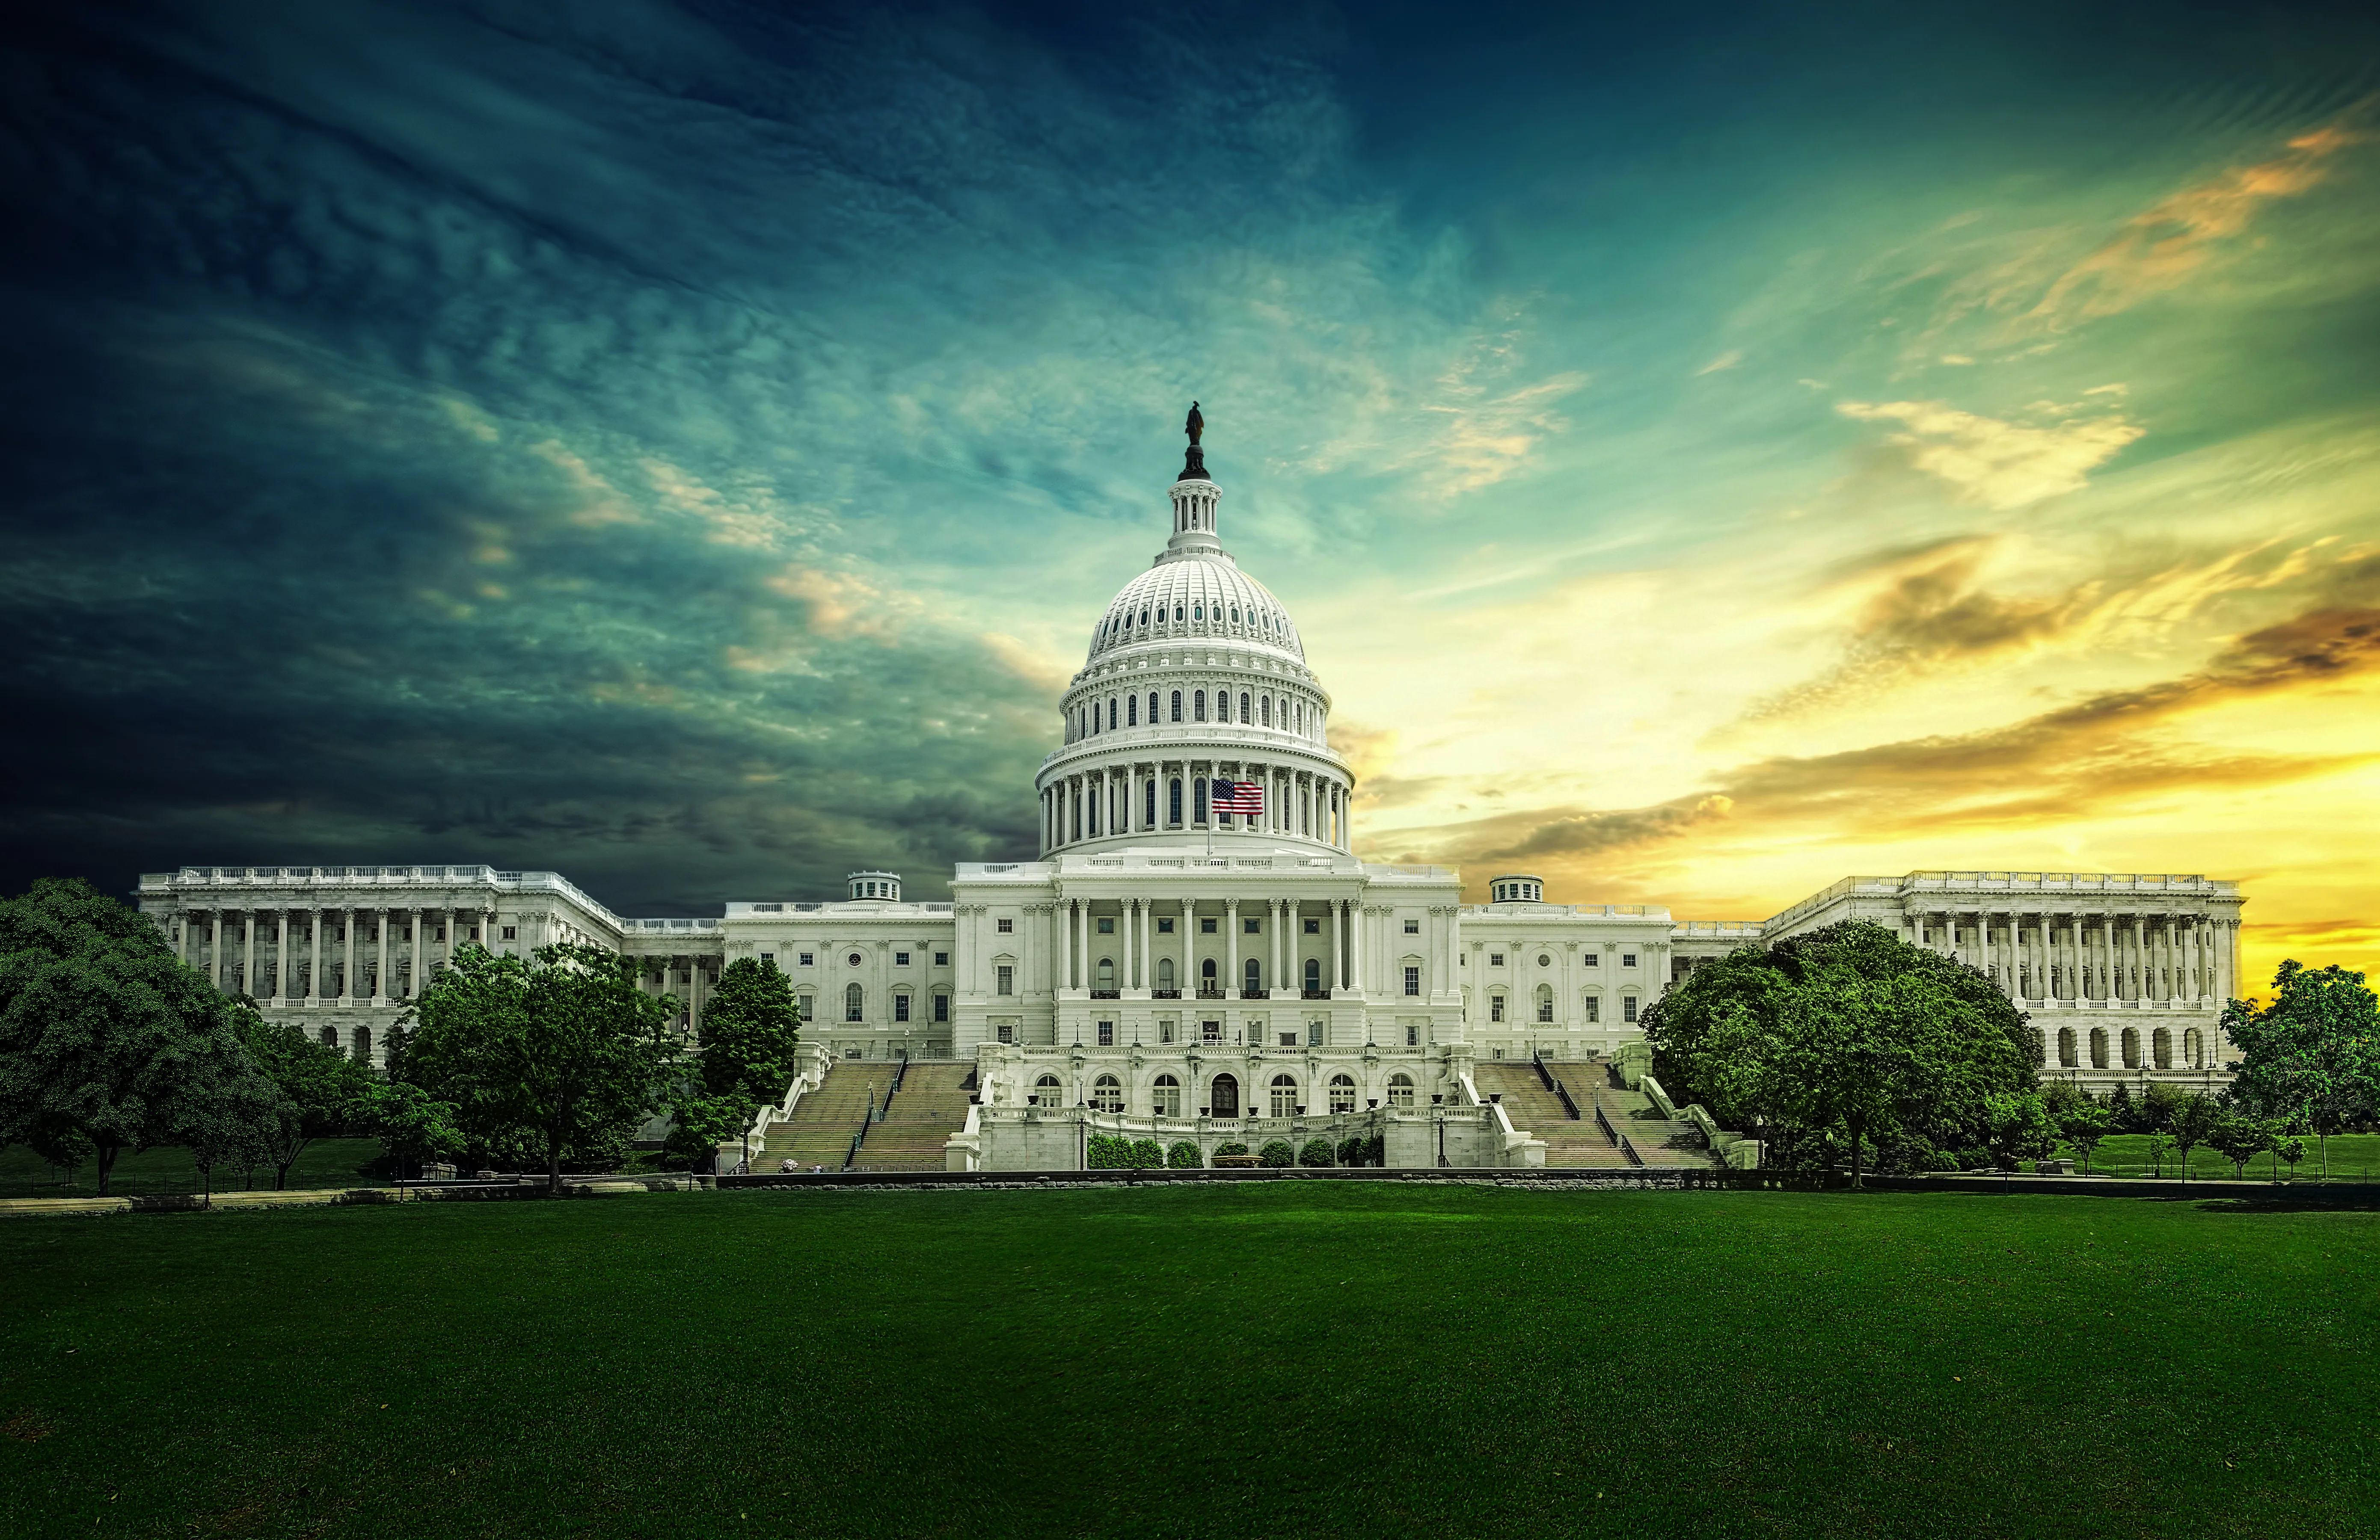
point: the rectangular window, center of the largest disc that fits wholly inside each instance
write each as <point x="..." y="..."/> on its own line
<point x="1589" y="960"/>
<point x="1594" y="1010"/>
<point x="808" y="959"/>
<point x="1206" y="928"/>
<point x="1289" y="1040"/>
<point x="1413" y="1034"/>
<point x="1495" y="959"/>
<point x="900" y="959"/>
<point x="508" y="933"/>
<point x="942" y="1008"/>
<point x="1628" y="1008"/>
<point x="1250" y="927"/>
<point x="1006" y="927"/>
<point x="1007" y="1032"/>
<point x="1413" y="981"/>
<point x="767" y="957"/>
<point x="1107" y="928"/>
<point x="1210" y="1032"/>
<point x="808" y="1004"/>
<point x="1006" y="975"/>
<point x="1165" y="1030"/>
<point x="1165" y="927"/>
<point x="1627" y="959"/>
<point x="1413" y="928"/>
<point x="1314" y="927"/>
<point x="1496" y="1008"/>
<point x="941" y="959"/>
<point x="900" y="1008"/>
<point x="1107" y="1034"/>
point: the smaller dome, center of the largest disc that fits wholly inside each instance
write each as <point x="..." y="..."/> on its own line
<point x="1197" y="597"/>
<point x="1517" y="887"/>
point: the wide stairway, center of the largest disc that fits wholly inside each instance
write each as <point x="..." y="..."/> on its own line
<point x="1539" y="1112"/>
<point x="930" y="1107"/>
<point x="1658" y="1140"/>
<point x="819" y="1134"/>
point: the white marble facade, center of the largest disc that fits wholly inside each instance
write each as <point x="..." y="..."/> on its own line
<point x="1162" y="962"/>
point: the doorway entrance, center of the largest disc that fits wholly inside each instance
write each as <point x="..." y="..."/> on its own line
<point x="1223" y="1095"/>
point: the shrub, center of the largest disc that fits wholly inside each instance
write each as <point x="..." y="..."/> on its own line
<point x="1145" y="1153"/>
<point x="1107" y="1152"/>
<point x="1353" y="1149"/>
<point x="1315" y="1153"/>
<point x="1234" y="1147"/>
<point x="1184" y="1156"/>
<point x="1277" y="1153"/>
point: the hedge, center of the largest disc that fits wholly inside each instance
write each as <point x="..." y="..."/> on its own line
<point x="1184" y="1156"/>
<point x="1315" y="1153"/>
<point x="1277" y="1153"/>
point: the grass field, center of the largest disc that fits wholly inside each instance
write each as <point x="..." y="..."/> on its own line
<point x="2353" y="1157"/>
<point x="1285" y="1360"/>
<point x="323" y="1163"/>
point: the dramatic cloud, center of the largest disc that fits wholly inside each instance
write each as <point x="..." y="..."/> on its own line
<point x="1997" y="463"/>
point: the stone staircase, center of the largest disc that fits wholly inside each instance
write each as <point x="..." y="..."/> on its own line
<point x="819" y="1134"/>
<point x="931" y="1107"/>
<point x="1539" y="1112"/>
<point x="1660" y="1141"/>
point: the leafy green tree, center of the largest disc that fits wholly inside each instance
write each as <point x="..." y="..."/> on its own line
<point x="2193" y="1120"/>
<point x="2288" y="1150"/>
<point x="751" y="1027"/>
<point x="101" y="1027"/>
<point x="412" y="1126"/>
<point x="2239" y="1138"/>
<point x="557" y="1052"/>
<point x="316" y="1089"/>
<point x="1183" y="1156"/>
<point x="2126" y="1111"/>
<point x="2085" y="1123"/>
<point x="1317" y="1152"/>
<point x="2160" y="1142"/>
<point x="1146" y="1153"/>
<point x="2310" y="1057"/>
<point x="2159" y="1104"/>
<point x="223" y="1109"/>
<point x="2021" y="1127"/>
<point x="1845" y="1033"/>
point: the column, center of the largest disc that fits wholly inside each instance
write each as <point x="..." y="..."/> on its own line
<point x="247" y="952"/>
<point x="280" y="955"/>
<point x="1338" y="951"/>
<point x="1280" y="909"/>
<point x="314" y="961"/>
<point x="1232" y="926"/>
<point x="1147" y="942"/>
<point x="1356" y="946"/>
<point x="380" y="964"/>
<point x="1189" y="946"/>
<point x="413" y="955"/>
<point x="1065" y="943"/>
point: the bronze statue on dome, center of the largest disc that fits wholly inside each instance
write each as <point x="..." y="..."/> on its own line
<point x="1196" y="424"/>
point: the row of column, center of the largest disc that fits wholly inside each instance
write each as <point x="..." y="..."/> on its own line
<point x="2088" y="955"/>
<point x="1095" y="804"/>
<point x="1135" y="969"/>
<point x="203" y="948"/>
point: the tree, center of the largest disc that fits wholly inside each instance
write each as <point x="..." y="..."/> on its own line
<point x="2159" y="1142"/>
<point x="316" y="1089"/>
<point x="750" y="1029"/>
<point x="2193" y="1118"/>
<point x="2084" y="1124"/>
<point x="223" y="1107"/>
<point x="1847" y="1033"/>
<point x="2288" y="1150"/>
<point x="2239" y="1138"/>
<point x="557" y="1052"/>
<point x="2021" y="1128"/>
<point x="101" y="1027"/>
<point x="2310" y="1057"/>
<point x="414" y="1127"/>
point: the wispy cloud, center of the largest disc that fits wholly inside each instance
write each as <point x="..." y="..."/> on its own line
<point x="1996" y="463"/>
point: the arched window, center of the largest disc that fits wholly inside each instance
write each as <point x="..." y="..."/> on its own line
<point x="1165" y="1097"/>
<point x="1236" y="614"/>
<point x="1264" y="709"/>
<point x="2098" y="1048"/>
<point x="1046" y="1092"/>
<point x="1255" y="975"/>
<point x="363" y="1045"/>
<point x="330" y="1037"/>
<point x="852" y="1001"/>
<point x="1198" y="706"/>
<point x="1545" y="1002"/>
<point x="1144" y="615"/>
<point x="2192" y="1049"/>
<point x="1177" y="706"/>
<point x="1132" y="711"/>
<point x="1152" y="707"/>
<point x="1111" y="712"/>
<point x="1165" y="973"/>
<point x="1198" y="612"/>
<point x="1246" y="715"/>
<point x="1199" y="800"/>
<point x="1177" y="614"/>
<point x="2161" y="1046"/>
<point x="1343" y="1094"/>
<point x="1106" y="974"/>
<point x="1149" y="812"/>
<point x="1223" y="1095"/>
<point x="1401" y="1091"/>
<point x="1174" y="792"/>
<point x="1285" y="1096"/>
<point x="2066" y="1049"/>
<point x="2132" y="1049"/>
<point x="1314" y="976"/>
<point x="1106" y="1095"/>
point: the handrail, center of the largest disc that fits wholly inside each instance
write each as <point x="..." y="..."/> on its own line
<point x="853" y="1153"/>
<point x="1605" y="1123"/>
<point x="1568" y="1106"/>
<point x="1630" y="1150"/>
<point x="1537" y="1063"/>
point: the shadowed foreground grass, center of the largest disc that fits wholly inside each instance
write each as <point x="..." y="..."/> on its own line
<point x="323" y="1163"/>
<point x="1285" y="1360"/>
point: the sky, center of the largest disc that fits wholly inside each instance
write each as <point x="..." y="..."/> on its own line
<point x="1707" y="451"/>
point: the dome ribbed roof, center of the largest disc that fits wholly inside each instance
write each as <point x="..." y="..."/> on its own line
<point x="1215" y="600"/>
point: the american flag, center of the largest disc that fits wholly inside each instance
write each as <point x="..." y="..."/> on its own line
<point x="1236" y="796"/>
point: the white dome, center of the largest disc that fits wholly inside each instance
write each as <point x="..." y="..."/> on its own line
<point x="1196" y="594"/>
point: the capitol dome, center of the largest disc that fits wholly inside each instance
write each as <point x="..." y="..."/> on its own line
<point x="1196" y="674"/>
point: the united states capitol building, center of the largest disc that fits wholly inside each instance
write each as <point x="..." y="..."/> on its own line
<point x="1171" y="968"/>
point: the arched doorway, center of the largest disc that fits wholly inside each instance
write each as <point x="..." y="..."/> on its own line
<point x="1313" y="976"/>
<point x="2066" y="1049"/>
<point x="1223" y="1096"/>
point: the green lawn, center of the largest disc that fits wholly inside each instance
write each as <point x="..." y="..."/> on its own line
<point x="323" y="1163"/>
<point x="1287" y="1360"/>
<point x="2353" y="1157"/>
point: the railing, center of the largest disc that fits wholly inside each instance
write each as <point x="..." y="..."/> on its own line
<point x="1556" y="1086"/>
<point x="1255" y="994"/>
<point x="1630" y="1150"/>
<point x="1210" y="994"/>
<point x="1609" y="1131"/>
<point x="1107" y="994"/>
<point x="1314" y="994"/>
<point x="853" y="1153"/>
<point x="1165" y="994"/>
